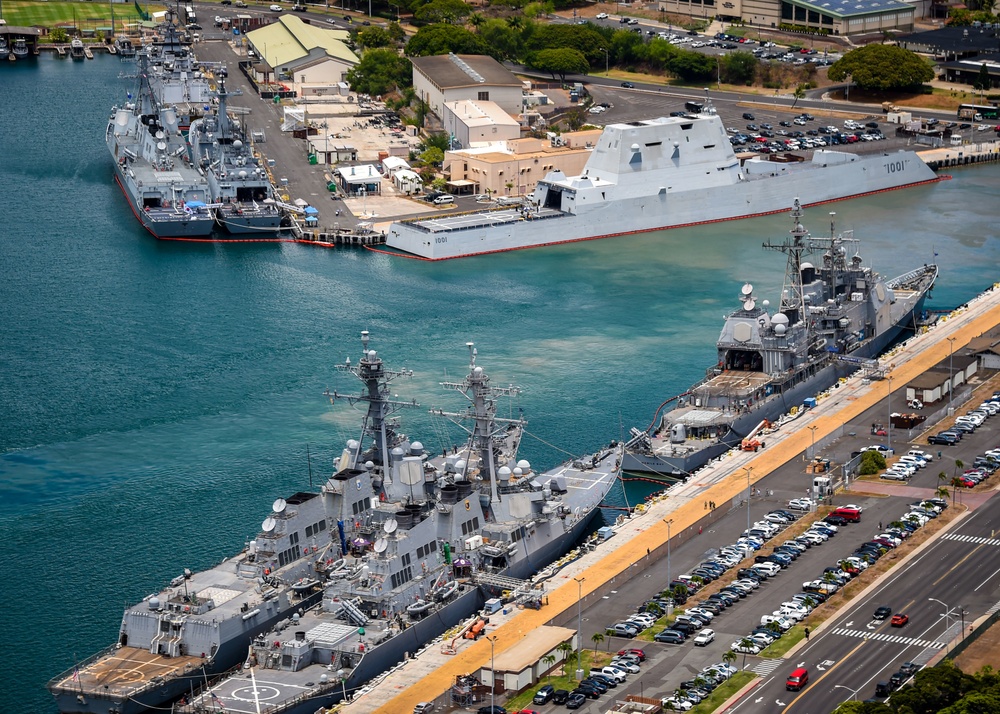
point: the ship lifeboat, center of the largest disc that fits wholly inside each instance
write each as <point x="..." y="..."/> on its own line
<point x="446" y="591"/>
<point x="304" y="585"/>
<point x="419" y="609"/>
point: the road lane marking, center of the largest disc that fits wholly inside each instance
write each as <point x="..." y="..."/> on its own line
<point x="824" y="675"/>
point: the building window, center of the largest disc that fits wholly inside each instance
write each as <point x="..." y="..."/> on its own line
<point x="483" y="96"/>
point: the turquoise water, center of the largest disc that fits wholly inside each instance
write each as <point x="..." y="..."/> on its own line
<point x="157" y="397"/>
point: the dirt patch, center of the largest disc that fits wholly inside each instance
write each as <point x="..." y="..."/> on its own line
<point x="981" y="653"/>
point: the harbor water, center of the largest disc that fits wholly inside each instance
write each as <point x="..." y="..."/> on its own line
<point x="157" y="397"/>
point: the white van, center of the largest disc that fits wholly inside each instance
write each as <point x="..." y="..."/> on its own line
<point x="444" y="200"/>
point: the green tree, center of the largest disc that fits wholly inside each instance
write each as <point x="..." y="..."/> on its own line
<point x="58" y="35"/>
<point x="597" y="638"/>
<point x="574" y="118"/>
<point x="504" y="40"/>
<point x="692" y="66"/>
<point x="745" y="643"/>
<point x="396" y="32"/>
<point x="879" y="68"/>
<point x="855" y="707"/>
<point x="739" y="68"/>
<point x="440" y="39"/>
<point x="586" y="39"/>
<point x="380" y="71"/>
<point x="799" y="93"/>
<point x="433" y="156"/>
<point x="374" y="36"/>
<point x="440" y="139"/>
<point x="549" y="660"/>
<point x="559" y="62"/>
<point x="437" y="11"/>
<point x="933" y="689"/>
<point x="728" y="657"/>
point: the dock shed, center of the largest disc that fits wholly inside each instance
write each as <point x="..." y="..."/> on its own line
<point x="987" y="349"/>
<point x="364" y="178"/>
<point x="521" y="666"/>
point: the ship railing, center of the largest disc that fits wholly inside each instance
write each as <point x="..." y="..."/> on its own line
<point x="906" y="279"/>
<point x="59" y="678"/>
<point x="415" y="222"/>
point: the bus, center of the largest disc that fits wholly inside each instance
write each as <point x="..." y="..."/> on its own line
<point x="978" y="112"/>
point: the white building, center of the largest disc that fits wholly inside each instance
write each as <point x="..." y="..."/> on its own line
<point x="472" y="122"/>
<point x="407" y="181"/>
<point x="451" y="78"/>
<point x="392" y="164"/>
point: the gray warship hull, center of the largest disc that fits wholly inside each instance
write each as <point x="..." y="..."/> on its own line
<point x="164" y="223"/>
<point x="673" y="467"/>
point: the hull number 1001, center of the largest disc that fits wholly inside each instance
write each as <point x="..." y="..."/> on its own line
<point x="895" y="167"/>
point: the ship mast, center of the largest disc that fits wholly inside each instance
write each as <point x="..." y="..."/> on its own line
<point x="377" y="422"/>
<point x="488" y="433"/>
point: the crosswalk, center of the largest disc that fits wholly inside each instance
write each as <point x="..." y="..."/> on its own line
<point x="766" y="666"/>
<point x="995" y="608"/>
<point x="977" y="540"/>
<point x="886" y="637"/>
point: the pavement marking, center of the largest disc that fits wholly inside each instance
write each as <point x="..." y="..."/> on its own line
<point x="886" y="637"/>
<point x="993" y="609"/>
<point x="766" y="666"/>
<point x="978" y="540"/>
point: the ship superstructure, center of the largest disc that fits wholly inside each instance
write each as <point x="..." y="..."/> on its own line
<point x="241" y="191"/>
<point x="833" y="316"/>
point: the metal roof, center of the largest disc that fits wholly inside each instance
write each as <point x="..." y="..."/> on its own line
<point x="289" y="40"/>
<point x="452" y="71"/>
<point x="851" y="8"/>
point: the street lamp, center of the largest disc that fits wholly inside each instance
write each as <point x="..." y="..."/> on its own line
<point x="579" y="628"/>
<point x="343" y="683"/>
<point x="493" y="672"/>
<point x="813" y="429"/>
<point x="888" y="424"/>
<point x="607" y="61"/>
<point x="854" y="692"/>
<point x="947" y="617"/>
<point x="749" y="470"/>
<point x="951" y="374"/>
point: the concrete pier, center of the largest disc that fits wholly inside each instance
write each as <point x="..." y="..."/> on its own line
<point x="964" y="155"/>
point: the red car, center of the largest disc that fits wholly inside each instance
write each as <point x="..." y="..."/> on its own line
<point x="964" y="482"/>
<point x="634" y="651"/>
<point x="899" y="619"/>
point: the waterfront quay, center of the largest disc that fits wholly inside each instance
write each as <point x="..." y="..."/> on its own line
<point x="639" y="546"/>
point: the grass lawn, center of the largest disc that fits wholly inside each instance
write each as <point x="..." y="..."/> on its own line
<point x="591" y="660"/>
<point x="780" y="646"/>
<point x="28" y="13"/>
<point x="723" y="692"/>
<point x="659" y="626"/>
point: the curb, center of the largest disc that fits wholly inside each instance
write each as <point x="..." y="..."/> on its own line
<point x="747" y="688"/>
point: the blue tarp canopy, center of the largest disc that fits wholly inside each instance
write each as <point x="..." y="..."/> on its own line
<point x="195" y="204"/>
<point x="310" y="211"/>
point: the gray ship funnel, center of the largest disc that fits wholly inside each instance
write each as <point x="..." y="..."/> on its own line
<point x="449" y="494"/>
<point x="404" y="520"/>
<point x="808" y="273"/>
<point x="414" y="510"/>
<point x="678" y="434"/>
<point x="464" y="487"/>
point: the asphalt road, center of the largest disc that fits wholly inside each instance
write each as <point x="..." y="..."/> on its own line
<point x="954" y="570"/>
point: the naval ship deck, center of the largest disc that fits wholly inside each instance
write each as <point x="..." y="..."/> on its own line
<point x="125" y="670"/>
<point x="480" y="219"/>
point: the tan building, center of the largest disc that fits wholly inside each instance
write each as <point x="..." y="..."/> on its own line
<point x="301" y="53"/>
<point x="470" y="122"/>
<point x="512" y="168"/>
<point x="521" y="666"/>
<point x="451" y="78"/>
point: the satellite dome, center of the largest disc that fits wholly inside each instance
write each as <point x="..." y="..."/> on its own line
<point x="635" y="147"/>
<point x="518" y="472"/>
<point x="477" y="371"/>
<point x="352" y="445"/>
<point x="372" y="354"/>
<point x="807" y="265"/>
<point x="524" y="465"/>
<point x="237" y="143"/>
<point x="780" y="319"/>
<point x="779" y="329"/>
<point x="766" y="303"/>
<point x="397" y="452"/>
<point x="417" y="446"/>
<point x="295" y="617"/>
<point x="460" y="465"/>
<point x="154" y="603"/>
<point x="504" y="473"/>
<point x="369" y="465"/>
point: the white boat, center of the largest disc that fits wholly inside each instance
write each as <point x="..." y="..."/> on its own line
<point x="652" y="175"/>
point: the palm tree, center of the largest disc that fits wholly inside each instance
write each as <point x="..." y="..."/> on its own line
<point x="728" y="657"/>
<point x="942" y="492"/>
<point x="476" y="19"/>
<point x="959" y="465"/>
<point x="549" y="660"/>
<point x="567" y="651"/>
<point x="597" y="638"/>
<point x="746" y="643"/>
<point x="799" y="93"/>
<point x="955" y="483"/>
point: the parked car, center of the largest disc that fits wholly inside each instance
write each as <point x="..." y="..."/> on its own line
<point x="543" y="695"/>
<point x="670" y="637"/>
<point x="704" y="638"/>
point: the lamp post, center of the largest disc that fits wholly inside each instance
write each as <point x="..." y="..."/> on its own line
<point x="607" y="61"/>
<point x="813" y="429"/>
<point x="888" y="424"/>
<point x="493" y="672"/>
<point x="343" y="683"/>
<point x="947" y="617"/>
<point x="951" y="373"/>
<point x="579" y="628"/>
<point x="718" y="70"/>
<point x="847" y="91"/>
<point x="749" y="470"/>
<point x="854" y="692"/>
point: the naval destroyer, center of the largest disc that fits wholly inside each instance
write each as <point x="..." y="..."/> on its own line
<point x="167" y="194"/>
<point x="420" y="540"/>
<point x="652" y="175"/>
<point x="833" y="317"/>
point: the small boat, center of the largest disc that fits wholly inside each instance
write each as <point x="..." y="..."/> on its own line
<point x="124" y="47"/>
<point x="446" y="591"/>
<point x="76" y="48"/>
<point x="4" y="49"/>
<point x="419" y="609"/>
<point x="20" y="48"/>
<point x="304" y="585"/>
